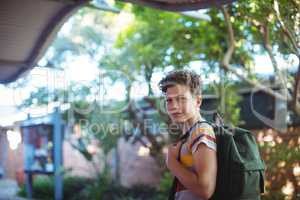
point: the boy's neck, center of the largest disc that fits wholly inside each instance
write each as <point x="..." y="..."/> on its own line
<point x="189" y="123"/>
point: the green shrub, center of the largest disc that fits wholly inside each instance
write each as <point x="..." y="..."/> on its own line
<point x="136" y="192"/>
<point x="43" y="188"/>
<point x="164" y="186"/>
<point x="78" y="188"/>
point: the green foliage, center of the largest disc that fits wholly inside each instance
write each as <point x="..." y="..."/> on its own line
<point x="135" y="192"/>
<point x="257" y="13"/>
<point x="85" y="37"/>
<point x="105" y="189"/>
<point x="146" y="50"/>
<point x="228" y="100"/>
<point x="164" y="186"/>
<point x="43" y="96"/>
<point x="43" y="188"/>
<point x="108" y="122"/>
<point x="152" y="42"/>
<point x="78" y="188"/>
<point x="231" y="111"/>
<point x="281" y="154"/>
<point x="174" y="46"/>
<point x="99" y="186"/>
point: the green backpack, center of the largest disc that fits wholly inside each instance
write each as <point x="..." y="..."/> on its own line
<point x="241" y="170"/>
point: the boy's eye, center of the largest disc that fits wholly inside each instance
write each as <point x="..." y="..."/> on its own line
<point x="182" y="98"/>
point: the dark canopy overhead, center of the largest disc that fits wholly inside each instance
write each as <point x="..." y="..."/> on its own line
<point x="180" y="5"/>
<point x="28" y="27"/>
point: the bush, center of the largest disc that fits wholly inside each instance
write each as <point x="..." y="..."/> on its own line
<point x="134" y="193"/>
<point x="43" y="188"/>
<point x="105" y="189"/>
<point x="78" y="188"/>
<point x="164" y="186"/>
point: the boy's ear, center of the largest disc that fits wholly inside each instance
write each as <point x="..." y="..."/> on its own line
<point x="199" y="100"/>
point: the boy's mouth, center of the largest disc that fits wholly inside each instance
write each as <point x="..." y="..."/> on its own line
<point x="176" y="114"/>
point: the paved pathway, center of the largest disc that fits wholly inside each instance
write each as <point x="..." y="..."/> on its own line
<point x="9" y="189"/>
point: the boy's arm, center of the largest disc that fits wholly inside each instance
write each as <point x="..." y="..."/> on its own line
<point x="203" y="181"/>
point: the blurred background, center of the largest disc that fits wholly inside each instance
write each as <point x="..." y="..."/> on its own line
<point x="89" y="104"/>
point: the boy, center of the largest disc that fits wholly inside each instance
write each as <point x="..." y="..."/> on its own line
<point x="196" y="170"/>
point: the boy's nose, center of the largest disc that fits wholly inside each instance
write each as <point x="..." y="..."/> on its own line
<point x="175" y="109"/>
<point x="174" y="105"/>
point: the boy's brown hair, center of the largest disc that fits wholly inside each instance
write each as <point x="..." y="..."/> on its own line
<point x="182" y="77"/>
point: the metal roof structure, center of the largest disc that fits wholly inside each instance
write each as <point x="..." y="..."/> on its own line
<point x="180" y="5"/>
<point x="27" y="28"/>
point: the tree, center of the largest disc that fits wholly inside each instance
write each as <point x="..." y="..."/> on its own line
<point x="226" y="45"/>
<point x="86" y="37"/>
<point x="270" y="24"/>
<point x="147" y="51"/>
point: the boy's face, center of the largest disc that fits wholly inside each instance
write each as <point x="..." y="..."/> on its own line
<point x="181" y="104"/>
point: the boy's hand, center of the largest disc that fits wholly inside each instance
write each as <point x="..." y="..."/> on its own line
<point x="173" y="151"/>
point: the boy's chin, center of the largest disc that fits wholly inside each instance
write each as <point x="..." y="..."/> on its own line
<point x="179" y="120"/>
